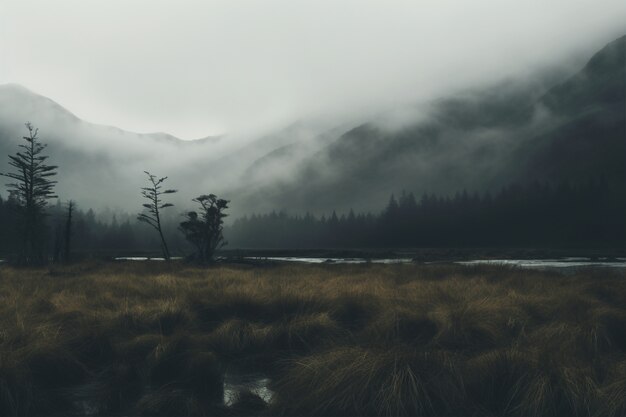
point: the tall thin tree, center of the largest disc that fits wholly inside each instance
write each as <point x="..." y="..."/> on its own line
<point x="32" y="188"/>
<point x="68" y="230"/>
<point x="152" y="216"/>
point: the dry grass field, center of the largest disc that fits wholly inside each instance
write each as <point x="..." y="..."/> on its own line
<point x="158" y="339"/>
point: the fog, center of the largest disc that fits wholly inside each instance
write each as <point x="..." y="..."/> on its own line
<point x="304" y="106"/>
<point x="244" y="68"/>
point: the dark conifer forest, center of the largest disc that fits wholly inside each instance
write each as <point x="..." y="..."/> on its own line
<point x="584" y="215"/>
<point x="565" y="215"/>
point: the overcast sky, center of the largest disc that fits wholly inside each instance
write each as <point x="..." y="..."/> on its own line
<point x="197" y="68"/>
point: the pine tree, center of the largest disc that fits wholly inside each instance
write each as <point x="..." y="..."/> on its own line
<point x="32" y="188"/>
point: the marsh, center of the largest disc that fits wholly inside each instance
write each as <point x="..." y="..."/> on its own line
<point x="156" y="338"/>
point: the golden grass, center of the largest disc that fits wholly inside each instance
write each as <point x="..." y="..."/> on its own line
<point x="155" y="339"/>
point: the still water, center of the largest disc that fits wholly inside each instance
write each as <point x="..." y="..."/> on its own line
<point x="522" y="263"/>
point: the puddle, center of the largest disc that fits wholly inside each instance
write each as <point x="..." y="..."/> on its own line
<point x="87" y="407"/>
<point x="86" y="398"/>
<point x="235" y="383"/>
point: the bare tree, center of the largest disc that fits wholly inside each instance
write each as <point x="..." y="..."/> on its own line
<point x="153" y="194"/>
<point x="32" y="189"/>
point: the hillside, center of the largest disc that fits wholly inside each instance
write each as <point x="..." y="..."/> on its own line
<point x="480" y="139"/>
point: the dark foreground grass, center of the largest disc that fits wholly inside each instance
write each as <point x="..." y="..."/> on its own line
<point x="157" y="339"/>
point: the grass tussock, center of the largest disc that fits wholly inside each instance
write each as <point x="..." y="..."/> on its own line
<point x="158" y="339"/>
<point x="357" y="381"/>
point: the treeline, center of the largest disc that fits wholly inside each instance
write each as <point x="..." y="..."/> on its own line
<point x="91" y="234"/>
<point x="114" y="234"/>
<point x="585" y="215"/>
<point x="29" y="237"/>
<point x="102" y="233"/>
<point x="564" y="215"/>
<point x="590" y="214"/>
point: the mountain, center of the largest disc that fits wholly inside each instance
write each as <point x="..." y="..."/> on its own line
<point x="18" y="101"/>
<point x="601" y="82"/>
<point x="98" y="165"/>
<point x="481" y="139"/>
<point x="588" y="136"/>
<point x="102" y="166"/>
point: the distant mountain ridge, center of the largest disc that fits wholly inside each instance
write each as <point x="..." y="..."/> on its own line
<point x="17" y="95"/>
<point x="574" y="131"/>
<point x="589" y="136"/>
<point x="102" y="166"/>
<point x="602" y="81"/>
<point x="99" y="165"/>
<point x="479" y="141"/>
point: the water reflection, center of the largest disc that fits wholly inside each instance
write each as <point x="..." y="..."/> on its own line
<point x="237" y="383"/>
<point x="548" y="263"/>
<point x="330" y="260"/>
<point x="567" y="262"/>
<point x="522" y="263"/>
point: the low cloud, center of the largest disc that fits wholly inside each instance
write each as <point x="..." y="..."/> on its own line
<point x="199" y="68"/>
